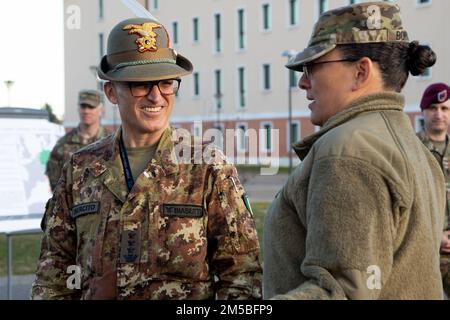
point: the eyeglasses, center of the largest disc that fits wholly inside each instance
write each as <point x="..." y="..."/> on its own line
<point x="307" y="68"/>
<point x="166" y="87"/>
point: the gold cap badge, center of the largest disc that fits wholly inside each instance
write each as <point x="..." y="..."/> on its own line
<point x="147" y="41"/>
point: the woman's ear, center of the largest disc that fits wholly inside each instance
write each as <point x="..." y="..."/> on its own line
<point x="363" y="74"/>
<point x="110" y="92"/>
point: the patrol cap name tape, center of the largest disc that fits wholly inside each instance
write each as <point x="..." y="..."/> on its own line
<point x="371" y="22"/>
<point x="139" y="50"/>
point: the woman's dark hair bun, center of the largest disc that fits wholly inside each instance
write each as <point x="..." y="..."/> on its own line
<point x="420" y="58"/>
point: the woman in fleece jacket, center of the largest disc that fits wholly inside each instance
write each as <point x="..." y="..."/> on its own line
<point x="361" y="217"/>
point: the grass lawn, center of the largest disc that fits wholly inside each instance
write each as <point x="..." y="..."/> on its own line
<point x="25" y="253"/>
<point x="259" y="211"/>
<point x="26" y="247"/>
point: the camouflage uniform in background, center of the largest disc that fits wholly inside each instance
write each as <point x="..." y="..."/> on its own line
<point x="183" y="232"/>
<point x="443" y="160"/>
<point x="64" y="148"/>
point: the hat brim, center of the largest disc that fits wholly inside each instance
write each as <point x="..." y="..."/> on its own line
<point x="308" y="55"/>
<point x="147" y="72"/>
<point x="91" y="103"/>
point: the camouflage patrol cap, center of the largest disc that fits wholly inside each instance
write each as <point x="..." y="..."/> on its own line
<point x="139" y="50"/>
<point x="90" y="97"/>
<point x="368" y="22"/>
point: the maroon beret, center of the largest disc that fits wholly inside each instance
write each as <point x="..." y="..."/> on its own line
<point x="436" y="93"/>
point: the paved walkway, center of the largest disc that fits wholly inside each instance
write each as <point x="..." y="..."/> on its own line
<point x="262" y="188"/>
<point x="21" y="286"/>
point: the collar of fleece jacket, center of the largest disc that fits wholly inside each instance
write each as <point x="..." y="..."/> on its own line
<point x="370" y="103"/>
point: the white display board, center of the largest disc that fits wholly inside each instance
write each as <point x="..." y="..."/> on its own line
<point x="25" y="145"/>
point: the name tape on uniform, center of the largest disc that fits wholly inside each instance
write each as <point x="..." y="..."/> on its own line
<point x="84" y="209"/>
<point x="182" y="210"/>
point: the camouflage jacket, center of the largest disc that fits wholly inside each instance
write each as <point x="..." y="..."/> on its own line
<point x="63" y="149"/>
<point x="443" y="160"/>
<point x="183" y="232"/>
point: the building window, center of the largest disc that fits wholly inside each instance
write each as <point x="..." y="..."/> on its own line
<point x="293" y="12"/>
<point x="426" y="75"/>
<point x="195" y="30"/>
<point x="293" y="135"/>
<point x="241" y="28"/>
<point x="101" y="45"/>
<point x="419" y="123"/>
<point x="323" y="6"/>
<point x="197" y="129"/>
<point x="423" y="3"/>
<point x="196" y="88"/>
<point x="242" y="87"/>
<point x="100" y="10"/>
<point x="175" y="32"/>
<point x="153" y="4"/>
<point x="293" y="79"/>
<point x="218" y="88"/>
<point x="217" y="33"/>
<point x="241" y="137"/>
<point x="266" y="17"/>
<point x="266" y="137"/>
<point x="267" y="85"/>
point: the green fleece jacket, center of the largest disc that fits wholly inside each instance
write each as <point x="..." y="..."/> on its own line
<point x="361" y="217"/>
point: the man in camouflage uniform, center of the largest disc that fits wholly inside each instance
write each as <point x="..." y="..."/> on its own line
<point x="435" y="107"/>
<point x="89" y="130"/>
<point x="147" y="213"/>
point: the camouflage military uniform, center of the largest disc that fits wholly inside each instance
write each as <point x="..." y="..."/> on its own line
<point x="443" y="160"/>
<point x="183" y="232"/>
<point x="64" y="148"/>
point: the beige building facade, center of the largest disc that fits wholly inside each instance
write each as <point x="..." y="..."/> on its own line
<point x="238" y="49"/>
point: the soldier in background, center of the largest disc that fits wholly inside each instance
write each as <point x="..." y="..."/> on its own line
<point x="435" y="107"/>
<point x="137" y="222"/>
<point x="90" y="109"/>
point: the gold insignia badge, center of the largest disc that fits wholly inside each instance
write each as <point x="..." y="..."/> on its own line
<point x="147" y="41"/>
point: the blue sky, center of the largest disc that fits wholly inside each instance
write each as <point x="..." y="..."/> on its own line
<point x="32" y="53"/>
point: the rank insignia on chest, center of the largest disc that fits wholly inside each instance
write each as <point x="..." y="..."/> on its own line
<point x="130" y="246"/>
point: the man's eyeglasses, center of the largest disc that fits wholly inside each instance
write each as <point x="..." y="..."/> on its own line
<point x="307" y="67"/>
<point x="166" y="87"/>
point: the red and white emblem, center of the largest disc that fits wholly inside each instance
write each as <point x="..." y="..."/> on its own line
<point x="442" y="96"/>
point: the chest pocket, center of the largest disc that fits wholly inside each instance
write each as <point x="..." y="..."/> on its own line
<point x="177" y="236"/>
